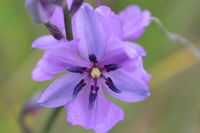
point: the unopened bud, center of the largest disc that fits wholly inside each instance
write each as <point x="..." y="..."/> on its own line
<point x="40" y="10"/>
<point x="32" y="106"/>
<point x="55" y="31"/>
<point x="76" y="4"/>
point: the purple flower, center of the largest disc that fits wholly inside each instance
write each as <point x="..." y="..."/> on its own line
<point x="42" y="11"/>
<point x="97" y="61"/>
<point x="128" y="24"/>
<point x="133" y="22"/>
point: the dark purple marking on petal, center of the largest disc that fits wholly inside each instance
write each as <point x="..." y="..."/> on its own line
<point x="112" y="67"/>
<point x="77" y="69"/>
<point x="111" y="85"/>
<point x="78" y="88"/>
<point x="93" y="58"/>
<point x="92" y="96"/>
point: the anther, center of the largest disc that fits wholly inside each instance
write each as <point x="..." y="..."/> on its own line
<point x="92" y="97"/>
<point x="112" y="67"/>
<point x="77" y="69"/>
<point x="93" y="58"/>
<point x="111" y="85"/>
<point x="78" y="88"/>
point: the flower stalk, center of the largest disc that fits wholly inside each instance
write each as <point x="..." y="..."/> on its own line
<point x="51" y="120"/>
<point x="67" y="22"/>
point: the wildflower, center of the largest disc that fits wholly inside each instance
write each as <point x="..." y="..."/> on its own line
<point x="97" y="62"/>
<point x="40" y="10"/>
<point x="128" y="24"/>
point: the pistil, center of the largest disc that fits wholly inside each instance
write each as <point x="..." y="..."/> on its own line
<point x="95" y="72"/>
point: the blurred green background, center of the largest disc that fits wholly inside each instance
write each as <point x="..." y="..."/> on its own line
<point x="174" y="104"/>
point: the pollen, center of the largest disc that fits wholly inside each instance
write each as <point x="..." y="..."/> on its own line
<point x="95" y="73"/>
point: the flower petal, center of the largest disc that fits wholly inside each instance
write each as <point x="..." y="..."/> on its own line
<point x="57" y="18"/>
<point x="57" y="59"/>
<point x="40" y="11"/>
<point x="130" y="46"/>
<point x="45" y="70"/>
<point x="117" y="53"/>
<point x="135" y="65"/>
<point x="103" y="116"/>
<point x="131" y="89"/>
<point x="110" y="21"/>
<point x="89" y="31"/>
<point x="134" y="21"/>
<point x="137" y="71"/>
<point x="45" y="42"/>
<point x="60" y="91"/>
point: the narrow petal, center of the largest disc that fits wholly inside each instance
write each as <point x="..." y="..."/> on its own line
<point x="101" y="118"/>
<point x="110" y="21"/>
<point x="88" y="30"/>
<point x="60" y="92"/>
<point x="131" y="89"/>
<point x="134" y="21"/>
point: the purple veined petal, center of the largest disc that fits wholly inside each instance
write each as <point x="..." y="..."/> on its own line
<point x="57" y="59"/>
<point x="117" y="53"/>
<point x="136" y="47"/>
<point x="135" y="65"/>
<point x="89" y="31"/>
<point x="66" y="56"/>
<point x="131" y="89"/>
<point x="137" y="70"/>
<point x="134" y="21"/>
<point x="45" y="70"/>
<point x="103" y="116"/>
<point x="40" y="10"/>
<point x="57" y="18"/>
<point x="110" y="21"/>
<point x="60" y="92"/>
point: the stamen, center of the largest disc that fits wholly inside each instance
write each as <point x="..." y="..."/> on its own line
<point x="92" y="96"/>
<point x="93" y="58"/>
<point x="112" y="67"/>
<point x="78" y="88"/>
<point x="111" y="85"/>
<point x="77" y="69"/>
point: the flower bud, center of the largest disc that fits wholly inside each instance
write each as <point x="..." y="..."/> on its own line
<point x="32" y="106"/>
<point x="41" y="10"/>
<point x="76" y="4"/>
<point x="55" y="31"/>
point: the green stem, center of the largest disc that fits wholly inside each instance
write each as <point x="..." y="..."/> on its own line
<point x="68" y="24"/>
<point x="51" y="120"/>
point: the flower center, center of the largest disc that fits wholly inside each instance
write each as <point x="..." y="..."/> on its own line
<point x="95" y="72"/>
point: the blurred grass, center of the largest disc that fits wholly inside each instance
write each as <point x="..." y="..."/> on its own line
<point x="174" y="105"/>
